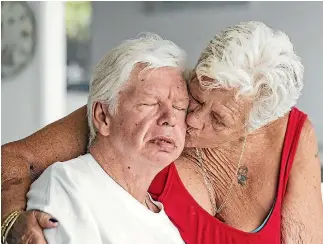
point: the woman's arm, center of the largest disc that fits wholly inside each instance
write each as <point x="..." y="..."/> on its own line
<point x="24" y="160"/>
<point x="302" y="210"/>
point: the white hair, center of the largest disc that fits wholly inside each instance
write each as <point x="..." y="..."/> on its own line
<point x="260" y="62"/>
<point x="113" y="70"/>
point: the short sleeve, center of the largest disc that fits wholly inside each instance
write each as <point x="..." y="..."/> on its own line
<point x="55" y="193"/>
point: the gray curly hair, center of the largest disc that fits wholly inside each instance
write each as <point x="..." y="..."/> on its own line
<point x="260" y="62"/>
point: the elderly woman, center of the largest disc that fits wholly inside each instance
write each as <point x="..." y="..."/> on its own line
<point x="250" y="171"/>
<point x="102" y="196"/>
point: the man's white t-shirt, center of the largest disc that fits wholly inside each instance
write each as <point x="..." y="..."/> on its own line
<point x="92" y="208"/>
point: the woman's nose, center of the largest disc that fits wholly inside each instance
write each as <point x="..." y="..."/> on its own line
<point x="192" y="106"/>
<point x="168" y="117"/>
<point x="194" y="119"/>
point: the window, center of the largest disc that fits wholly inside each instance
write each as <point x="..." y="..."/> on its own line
<point x="78" y="17"/>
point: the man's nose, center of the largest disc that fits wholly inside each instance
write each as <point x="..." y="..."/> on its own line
<point x="168" y="117"/>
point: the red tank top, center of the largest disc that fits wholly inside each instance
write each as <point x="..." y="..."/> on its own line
<point x="197" y="226"/>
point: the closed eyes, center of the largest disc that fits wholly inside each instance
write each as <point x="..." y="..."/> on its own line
<point x="149" y="104"/>
<point x="217" y="119"/>
<point x="180" y="109"/>
<point x="154" y="104"/>
<point x="195" y="100"/>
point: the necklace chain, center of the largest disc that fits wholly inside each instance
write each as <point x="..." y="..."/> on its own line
<point x="208" y="184"/>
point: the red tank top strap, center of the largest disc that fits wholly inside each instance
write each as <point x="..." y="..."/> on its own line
<point x="159" y="182"/>
<point x="294" y="128"/>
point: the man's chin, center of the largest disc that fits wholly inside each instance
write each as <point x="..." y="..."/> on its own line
<point x="162" y="157"/>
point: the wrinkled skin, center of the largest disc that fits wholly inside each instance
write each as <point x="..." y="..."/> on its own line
<point x="29" y="228"/>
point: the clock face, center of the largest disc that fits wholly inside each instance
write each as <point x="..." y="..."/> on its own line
<point x="18" y="37"/>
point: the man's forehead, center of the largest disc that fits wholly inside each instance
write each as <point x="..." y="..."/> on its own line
<point x="161" y="89"/>
<point x="148" y="76"/>
<point x="160" y="72"/>
<point x="151" y="89"/>
<point x="146" y="80"/>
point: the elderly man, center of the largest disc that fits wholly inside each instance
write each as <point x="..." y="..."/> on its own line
<point x="136" y="114"/>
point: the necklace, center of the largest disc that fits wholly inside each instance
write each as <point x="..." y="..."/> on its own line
<point x="147" y="205"/>
<point x="216" y="210"/>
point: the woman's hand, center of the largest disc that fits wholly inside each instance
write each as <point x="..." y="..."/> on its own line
<point x="28" y="228"/>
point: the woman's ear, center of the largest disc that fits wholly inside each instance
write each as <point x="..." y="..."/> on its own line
<point x="101" y="118"/>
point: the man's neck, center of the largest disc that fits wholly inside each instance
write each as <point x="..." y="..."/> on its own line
<point x="132" y="175"/>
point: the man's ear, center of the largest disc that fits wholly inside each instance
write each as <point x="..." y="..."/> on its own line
<point x="101" y="118"/>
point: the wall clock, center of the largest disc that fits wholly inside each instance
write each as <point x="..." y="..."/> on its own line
<point x="18" y="37"/>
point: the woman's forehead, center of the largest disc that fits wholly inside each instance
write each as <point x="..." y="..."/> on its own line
<point x="216" y="93"/>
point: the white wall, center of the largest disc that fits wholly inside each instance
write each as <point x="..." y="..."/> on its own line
<point x="20" y="102"/>
<point x="192" y="29"/>
<point x="37" y="95"/>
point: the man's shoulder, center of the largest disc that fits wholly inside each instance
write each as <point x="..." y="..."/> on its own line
<point x="59" y="182"/>
<point x="75" y="165"/>
<point x="66" y="171"/>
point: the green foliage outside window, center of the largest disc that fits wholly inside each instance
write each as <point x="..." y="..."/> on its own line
<point x="78" y="19"/>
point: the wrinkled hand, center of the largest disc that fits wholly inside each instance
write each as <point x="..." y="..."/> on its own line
<point x="28" y="228"/>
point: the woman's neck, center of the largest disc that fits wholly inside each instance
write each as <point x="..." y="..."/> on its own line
<point x="223" y="164"/>
<point x="226" y="153"/>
